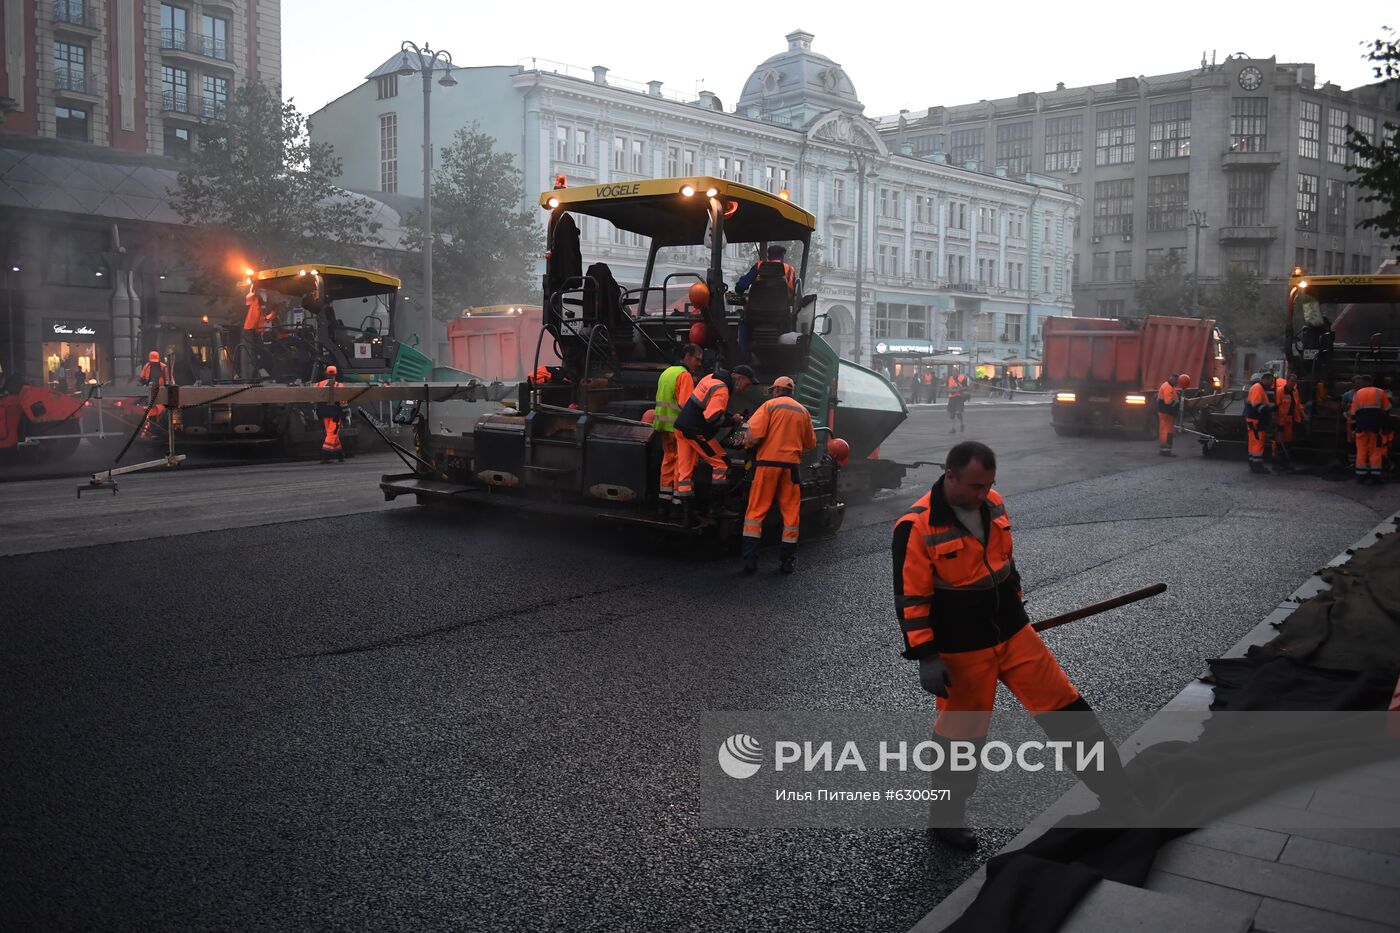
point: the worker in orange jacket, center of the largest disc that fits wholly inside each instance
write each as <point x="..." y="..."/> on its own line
<point x="1370" y="417"/>
<point x="1289" y="407"/>
<point x="1168" y="406"/>
<point x="781" y="429"/>
<point x="958" y="599"/>
<point x="957" y="399"/>
<point x="700" y="420"/>
<point x="1258" y="417"/>
<point x="332" y="415"/>
<point x="154" y="374"/>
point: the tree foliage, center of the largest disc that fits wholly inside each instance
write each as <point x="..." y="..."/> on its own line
<point x="1248" y="310"/>
<point x="484" y="245"/>
<point x="259" y="193"/>
<point x="1377" y="167"/>
<point x="1166" y="289"/>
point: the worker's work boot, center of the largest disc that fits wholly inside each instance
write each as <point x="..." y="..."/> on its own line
<point x="1166" y="452"/>
<point x="956" y="837"/>
<point x="788" y="565"/>
<point x="1258" y="468"/>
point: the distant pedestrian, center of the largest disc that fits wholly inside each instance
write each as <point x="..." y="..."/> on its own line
<point x="332" y="416"/>
<point x="957" y="399"/>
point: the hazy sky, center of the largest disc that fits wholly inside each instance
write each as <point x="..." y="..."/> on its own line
<point x="899" y="55"/>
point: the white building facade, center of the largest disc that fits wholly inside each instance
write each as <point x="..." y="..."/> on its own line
<point x="953" y="257"/>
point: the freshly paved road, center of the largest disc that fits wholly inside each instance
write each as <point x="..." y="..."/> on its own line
<point x="323" y="710"/>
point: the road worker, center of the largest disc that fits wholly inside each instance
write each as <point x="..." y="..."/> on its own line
<point x="1290" y="412"/>
<point x="957" y="399"/>
<point x="672" y="389"/>
<point x="332" y="415"/>
<point x="1168" y="406"/>
<point x="1258" y="416"/>
<point x="700" y="420"/>
<point x="154" y="374"/>
<point x="776" y="253"/>
<point x="781" y="429"/>
<point x="958" y="598"/>
<point x="1370" y="417"/>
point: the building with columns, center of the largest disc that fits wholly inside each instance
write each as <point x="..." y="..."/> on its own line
<point x="1245" y="160"/>
<point x="954" y="255"/>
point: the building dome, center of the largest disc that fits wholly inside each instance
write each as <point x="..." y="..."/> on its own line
<point x="797" y="85"/>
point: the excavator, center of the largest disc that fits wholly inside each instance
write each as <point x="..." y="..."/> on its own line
<point x="577" y="440"/>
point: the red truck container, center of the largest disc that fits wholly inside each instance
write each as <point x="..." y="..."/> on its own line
<point x="1104" y="373"/>
<point x="499" y="342"/>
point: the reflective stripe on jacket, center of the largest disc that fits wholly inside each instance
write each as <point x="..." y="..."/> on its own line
<point x="703" y="413"/>
<point x="956" y="385"/>
<point x="954" y="592"/>
<point x="1368" y="408"/>
<point x="785" y="429"/>
<point x="1257" y="406"/>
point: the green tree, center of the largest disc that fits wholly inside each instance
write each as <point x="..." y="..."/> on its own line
<point x="1377" y="167"/>
<point x="1166" y="289"/>
<point x="259" y="192"/>
<point x="1248" y="310"/>
<point x="484" y="245"/>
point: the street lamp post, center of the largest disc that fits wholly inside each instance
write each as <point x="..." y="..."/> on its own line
<point x="1198" y="220"/>
<point x="429" y="61"/>
<point x="11" y="270"/>
<point x="855" y="162"/>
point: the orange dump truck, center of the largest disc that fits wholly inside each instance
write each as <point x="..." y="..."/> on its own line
<point x="1104" y="373"/>
<point x="500" y="342"/>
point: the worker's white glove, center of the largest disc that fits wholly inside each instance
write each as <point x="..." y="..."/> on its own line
<point x="933" y="676"/>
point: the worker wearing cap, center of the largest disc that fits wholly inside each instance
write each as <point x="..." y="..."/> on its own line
<point x="781" y="429"/>
<point x="1370" y="416"/>
<point x="776" y="253"/>
<point x="1258" y="416"/>
<point x="957" y="399"/>
<point x="672" y="389"/>
<point x="332" y="414"/>
<point x="958" y="599"/>
<point x="1168" y="405"/>
<point x="154" y="374"/>
<point x="700" y="420"/>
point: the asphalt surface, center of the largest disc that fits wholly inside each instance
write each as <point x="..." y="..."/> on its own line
<point x="406" y="717"/>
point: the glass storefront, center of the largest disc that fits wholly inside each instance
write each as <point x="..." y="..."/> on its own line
<point x="73" y="353"/>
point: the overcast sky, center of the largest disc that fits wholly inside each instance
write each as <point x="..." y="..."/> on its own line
<point x="899" y="55"/>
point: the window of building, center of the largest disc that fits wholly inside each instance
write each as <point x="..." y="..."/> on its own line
<point x="957" y="215"/>
<point x="1336" y="206"/>
<point x="1160" y="260"/>
<point x="1100" y="267"/>
<point x="968" y="146"/>
<point x="924" y="264"/>
<point x="1017" y="226"/>
<point x="1248" y="198"/>
<point x="1249" y="123"/>
<point x="1064" y="143"/>
<point x="986" y="327"/>
<point x="174" y="25"/>
<point x="1115" y="136"/>
<point x="1013" y="327"/>
<point x="1337" y="136"/>
<point x="386" y="86"/>
<point x="1016" y="275"/>
<point x="561" y="144"/>
<point x="1014" y="147"/>
<point x="1366" y="126"/>
<point x="838" y="252"/>
<point x="882" y="262"/>
<point x="74" y="257"/>
<point x="213" y="40"/>
<point x="1111" y="307"/>
<point x="1360" y="264"/>
<point x="1309" y="127"/>
<point x="177" y="141"/>
<point x="389" y="152"/>
<point x="987" y="271"/>
<point x="1244" y="258"/>
<point x="581" y="149"/>
<point x="1307" y="201"/>
<point x="174" y="89"/>
<point x="1166" y="202"/>
<point x="1113" y="206"/>
<point x="838" y="191"/>
<point x="639" y="153"/>
<point x="901" y="320"/>
<point x="70" y="66"/>
<point x="1123" y="265"/>
<point x="619" y="159"/>
<point x="687" y="161"/>
<point x="885" y="198"/>
<point x="1075" y="189"/>
<point x="1169" y="131"/>
<point x="71" y="122"/>
<point x="955" y="325"/>
<point x="673" y="161"/>
<point x="987" y="220"/>
<point x="957" y="267"/>
<point x="215" y="96"/>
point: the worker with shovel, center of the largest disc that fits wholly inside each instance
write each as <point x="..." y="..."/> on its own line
<point x="958" y="599"/>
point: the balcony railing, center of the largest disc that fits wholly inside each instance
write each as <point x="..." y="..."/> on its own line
<point x="175" y="101"/>
<point x="213" y="109"/>
<point x="174" y="39"/>
<point x="212" y="47"/>
<point x="70" y="79"/>
<point x="73" y="12"/>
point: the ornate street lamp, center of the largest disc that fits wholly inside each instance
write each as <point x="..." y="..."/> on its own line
<point x="855" y="163"/>
<point x="1198" y="220"/>
<point x="427" y="61"/>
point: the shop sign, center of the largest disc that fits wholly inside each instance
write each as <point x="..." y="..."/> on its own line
<point x="69" y="330"/>
<point x="904" y="346"/>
